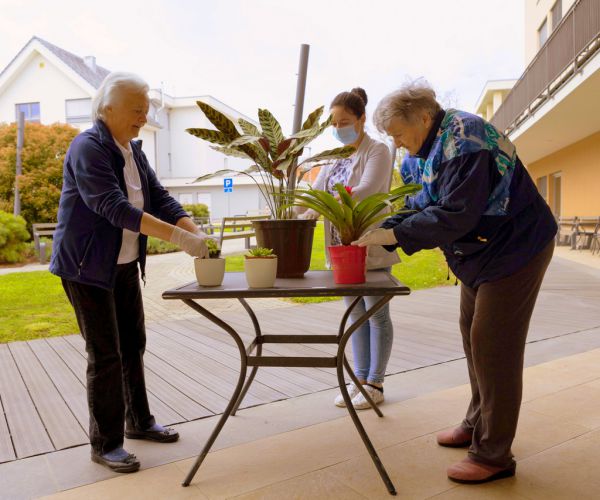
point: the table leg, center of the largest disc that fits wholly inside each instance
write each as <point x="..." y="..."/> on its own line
<point x="340" y="374"/>
<point x="236" y="393"/>
<point x="347" y="365"/>
<point x="258" y="353"/>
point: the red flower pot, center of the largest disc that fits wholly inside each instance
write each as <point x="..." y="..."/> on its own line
<point x="348" y="263"/>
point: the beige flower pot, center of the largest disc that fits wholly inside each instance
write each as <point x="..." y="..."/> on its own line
<point x="260" y="271"/>
<point x="210" y="272"/>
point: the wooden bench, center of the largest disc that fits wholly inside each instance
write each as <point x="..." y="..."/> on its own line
<point x="42" y="229"/>
<point x="239" y="226"/>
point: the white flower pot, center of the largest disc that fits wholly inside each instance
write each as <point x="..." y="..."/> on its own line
<point x="260" y="271"/>
<point x="210" y="272"/>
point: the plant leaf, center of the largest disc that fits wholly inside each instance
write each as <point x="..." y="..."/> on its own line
<point x="271" y="130"/>
<point x="219" y="120"/>
<point x="313" y="118"/>
<point x="231" y="152"/>
<point x="209" y="135"/>
<point x="244" y="139"/>
<point x="332" y="154"/>
<point x="248" y="128"/>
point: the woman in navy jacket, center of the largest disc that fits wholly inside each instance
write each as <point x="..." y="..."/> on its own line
<point x="479" y="205"/>
<point x="111" y="201"/>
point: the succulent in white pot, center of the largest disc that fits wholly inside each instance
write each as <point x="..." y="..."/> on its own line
<point x="210" y="271"/>
<point x="260" y="265"/>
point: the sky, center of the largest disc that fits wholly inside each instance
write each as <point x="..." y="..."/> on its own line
<point x="245" y="52"/>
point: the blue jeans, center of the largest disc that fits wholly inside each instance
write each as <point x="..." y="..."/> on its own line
<point x="372" y="342"/>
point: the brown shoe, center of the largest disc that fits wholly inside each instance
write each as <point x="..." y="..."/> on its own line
<point x="470" y="472"/>
<point x="455" y="438"/>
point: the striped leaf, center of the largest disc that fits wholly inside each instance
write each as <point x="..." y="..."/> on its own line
<point x="231" y="152"/>
<point x="332" y="154"/>
<point x="248" y="128"/>
<point x="219" y="120"/>
<point x="243" y="139"/>
<point x="271" y="130"/>
<point x="213" y="136"/>
<point x="313" y="118"/>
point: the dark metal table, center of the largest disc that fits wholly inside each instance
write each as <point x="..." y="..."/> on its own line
<point x="314" y="284"/>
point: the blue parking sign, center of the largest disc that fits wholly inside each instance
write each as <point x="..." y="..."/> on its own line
<point x="228" y="185"/>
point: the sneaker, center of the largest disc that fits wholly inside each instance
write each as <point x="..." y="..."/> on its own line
<point x="352" y="391"/>
<point x="360" y="402"/>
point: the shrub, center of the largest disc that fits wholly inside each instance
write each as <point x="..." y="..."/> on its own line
<point x="13" y="238"/>
<point x="197" y="209"/>
<point x="158" y="246"/>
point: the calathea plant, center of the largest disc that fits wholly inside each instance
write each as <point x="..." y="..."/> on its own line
<point x="274" y="156"/>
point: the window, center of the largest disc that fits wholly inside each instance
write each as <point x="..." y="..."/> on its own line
<point x="543" y="33"/>
<point x="542" y="185"/>
<point x="78" y="110"/>
<point x="31" y="110"/>
<point x="556" y="14"/>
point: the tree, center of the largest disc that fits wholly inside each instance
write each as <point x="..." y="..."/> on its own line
<point x="43" y="155"/>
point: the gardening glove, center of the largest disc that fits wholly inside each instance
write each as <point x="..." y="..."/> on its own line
<point x="309" y="214"/>
<point x="377" y="237"/>
<point x="190" y="243"/>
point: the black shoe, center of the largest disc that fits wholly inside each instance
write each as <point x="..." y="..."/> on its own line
<point x="129" y="464"/>
<point x="167" y="436"/>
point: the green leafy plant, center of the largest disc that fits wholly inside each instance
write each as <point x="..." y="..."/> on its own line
<point x="260" y="252"/>
<point x="214" y="252"/>
<point x="350" y="217"/>
<point x="274" y="156"/>
<point x="197" y="209"/>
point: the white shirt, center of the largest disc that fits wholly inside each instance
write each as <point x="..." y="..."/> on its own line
<point x="130" y="249"/>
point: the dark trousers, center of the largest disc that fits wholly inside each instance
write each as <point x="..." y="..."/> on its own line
<point x="112" y="324"/>
<point x="494" y="321"/>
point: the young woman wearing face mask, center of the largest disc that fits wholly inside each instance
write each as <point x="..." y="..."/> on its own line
<point x="367" y="171"/>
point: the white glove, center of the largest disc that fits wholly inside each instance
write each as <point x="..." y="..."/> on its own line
<point x="377" y="237"/>
<point x="191" y="243"/>
<point x="309" y="214"/>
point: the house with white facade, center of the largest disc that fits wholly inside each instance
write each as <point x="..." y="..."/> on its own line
<point x="50" y="84"/>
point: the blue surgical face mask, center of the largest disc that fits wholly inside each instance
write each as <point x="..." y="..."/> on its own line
<point x="346" y="135"/>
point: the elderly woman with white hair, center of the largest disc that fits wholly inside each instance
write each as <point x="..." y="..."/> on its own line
<point x="111" y="201"/>
<point x="480" y="206"/>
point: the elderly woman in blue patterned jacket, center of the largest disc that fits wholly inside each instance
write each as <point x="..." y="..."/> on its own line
<point x="367" y="171"/>
<point x="111" y="201"/>
<point x="479" y="205"/>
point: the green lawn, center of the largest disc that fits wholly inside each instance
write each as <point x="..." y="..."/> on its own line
<point x="34" y="305"/>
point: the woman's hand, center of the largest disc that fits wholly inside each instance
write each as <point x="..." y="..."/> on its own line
<point x="377" y="237"/>
<point x="193" y="244"/>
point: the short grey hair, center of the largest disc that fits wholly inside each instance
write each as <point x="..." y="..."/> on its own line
<point x="411" y="98"/>
<point x="112" y="86"/>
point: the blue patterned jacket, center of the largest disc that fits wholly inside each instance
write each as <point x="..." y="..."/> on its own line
<point x="478" y="203"/>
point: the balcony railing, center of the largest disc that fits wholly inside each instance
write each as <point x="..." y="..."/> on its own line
<point x="574" y="41"/>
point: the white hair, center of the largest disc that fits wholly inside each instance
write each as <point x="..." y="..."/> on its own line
<point x="112" y="86"/>
<point x="411" y="98"/>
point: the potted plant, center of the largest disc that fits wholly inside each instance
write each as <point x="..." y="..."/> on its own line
<point x="275" y="161"/>
<point x="351" y="218"/>
<point x="210" y="272"/>
<point x="260" y="265"/>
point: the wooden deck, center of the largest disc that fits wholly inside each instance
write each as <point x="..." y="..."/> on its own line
<point x="192" y="367"/>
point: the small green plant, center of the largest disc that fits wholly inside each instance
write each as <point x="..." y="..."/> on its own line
<point x="214" y="252"/>
<point x="260" y="252"/>
<point x="350" y="217"/>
